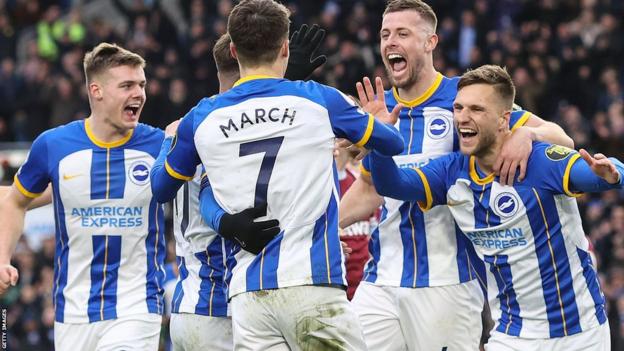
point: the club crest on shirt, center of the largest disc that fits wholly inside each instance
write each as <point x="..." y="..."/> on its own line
<point x="139" y="173"/>
<point x="506" y="205"/>
<point x="438" y="127"/>
<point x="557" y="152"/>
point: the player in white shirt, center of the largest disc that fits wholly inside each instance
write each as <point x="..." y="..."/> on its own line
<point x="110" y="241"/>
<point x="542" y="286"/>
<point x="420" y="267"/>
<point x="267" y="147"/>
<point x="200" y="318"/>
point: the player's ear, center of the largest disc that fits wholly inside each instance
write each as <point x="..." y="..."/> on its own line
<point x="431" y="42"/>
<point x="233" y="51"/>
<point x="95" y="90"/>
<point x="284" y="50"/>
<point x="503" y="123"/>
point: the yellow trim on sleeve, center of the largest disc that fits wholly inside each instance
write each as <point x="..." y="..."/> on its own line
<point x="103" y="144"/>
<point x="522" y="121"/>
<point x="364" y="171"/>
<point x="566" y="176"/>
<point x="475" y="176"/>
<point x="250" y="78"/>
<point x="368" y="132"/>
<point x="23" y="190"/>
<point x="419" y="100"/>
<point x="175" y="174"/>
<point x="428" y="196"/>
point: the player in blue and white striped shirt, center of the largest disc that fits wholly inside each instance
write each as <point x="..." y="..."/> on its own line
<point x="109" y="230"/>
<point x="543" y="288"/>
<point x="420" y="263"/>
<point x="270" y="140"/>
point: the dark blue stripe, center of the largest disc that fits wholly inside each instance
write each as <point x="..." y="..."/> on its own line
<point x="61" y="255"/>
<point x="326" y="255"/>
<point x="552" y="295"/>
<point x="265" y="265"/>
<point x="477" y="267"/>
<point x="212" y="286"/>
<point x="155" y="252"/>
<point x="117" y="182"/>
<point x="415" y="227"/>
<point x="178" y="293"/>
<point x="107" y="173"/>
<point x="374" y="249"/>
<point x="417" y="123"/>
<point x="104" y="274"/>
<point x="593" y="285"/>
<point x="510" y="321"/>
<point x="463" y="265"/>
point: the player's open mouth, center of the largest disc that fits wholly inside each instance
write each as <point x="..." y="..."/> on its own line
<point x="132" y="109"/>
<point x="397" y="62"/>
<point x="467" y="134"/>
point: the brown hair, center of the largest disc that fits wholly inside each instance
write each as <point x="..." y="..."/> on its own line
<point x="424" y="10"/>
<point x="258" y="29"/>
<point x="493" y="75"/>
<point x="223" y="58"/>
<point x="105" y="56"/>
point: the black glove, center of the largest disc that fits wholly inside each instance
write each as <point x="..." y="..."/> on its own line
<point x="251" y="236"/>
<point x="303" y="44"/>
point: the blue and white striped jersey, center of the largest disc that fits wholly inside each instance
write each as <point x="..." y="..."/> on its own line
<point x="410" y="248"/>
<point x="200" y="255"/>
<point x="109" y="231"/>
<point x="540" y="277"/>
<point x="271" y="140"/>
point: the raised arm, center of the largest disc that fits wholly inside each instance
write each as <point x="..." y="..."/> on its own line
<point x="595" y="174"/>
<point x="369" y="130"/>
<point x="407" y="184"/>
<point x="526" y="128"/>
<point x="176" y="159"/>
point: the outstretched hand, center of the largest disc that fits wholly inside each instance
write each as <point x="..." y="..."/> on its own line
<point x="303" y="44"/>
<point x="601" y="166"/>
<point x="374" y="102"/>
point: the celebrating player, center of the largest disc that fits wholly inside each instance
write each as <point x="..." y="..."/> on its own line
<point x="200" y="314"/>
<point x="109" y="230"/>
<point x="267" y="145"/>
<point x="543" y="289"/>
<point x="419" y="292"/>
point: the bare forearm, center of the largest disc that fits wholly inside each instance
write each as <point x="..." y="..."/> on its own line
<point x="359" y="202"/>
<point x="12" y="219"/>
<point x="551" y="133"/>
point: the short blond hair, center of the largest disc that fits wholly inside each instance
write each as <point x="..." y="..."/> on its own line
<point x="493" y="75"/>
<point x="105" y="56"/>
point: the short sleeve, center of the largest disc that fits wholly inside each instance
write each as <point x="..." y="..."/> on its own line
<point x="182" y="158"/>
<point x="33" y="177"/>
<point x="552" y="164"/>
<point x="434" y="176"/>
<point x="347" y="119"/>
<point x="518" y="118"/>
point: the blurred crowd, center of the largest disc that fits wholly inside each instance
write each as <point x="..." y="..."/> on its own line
<point x="565" y="57"/>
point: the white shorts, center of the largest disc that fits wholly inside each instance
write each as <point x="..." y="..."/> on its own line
<point x="196" y="332"/>
<point x="434" y="318"/>
<point x="596" y="339"/>
<point x="295" y="318"/>
<point x="139" y="332"/>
